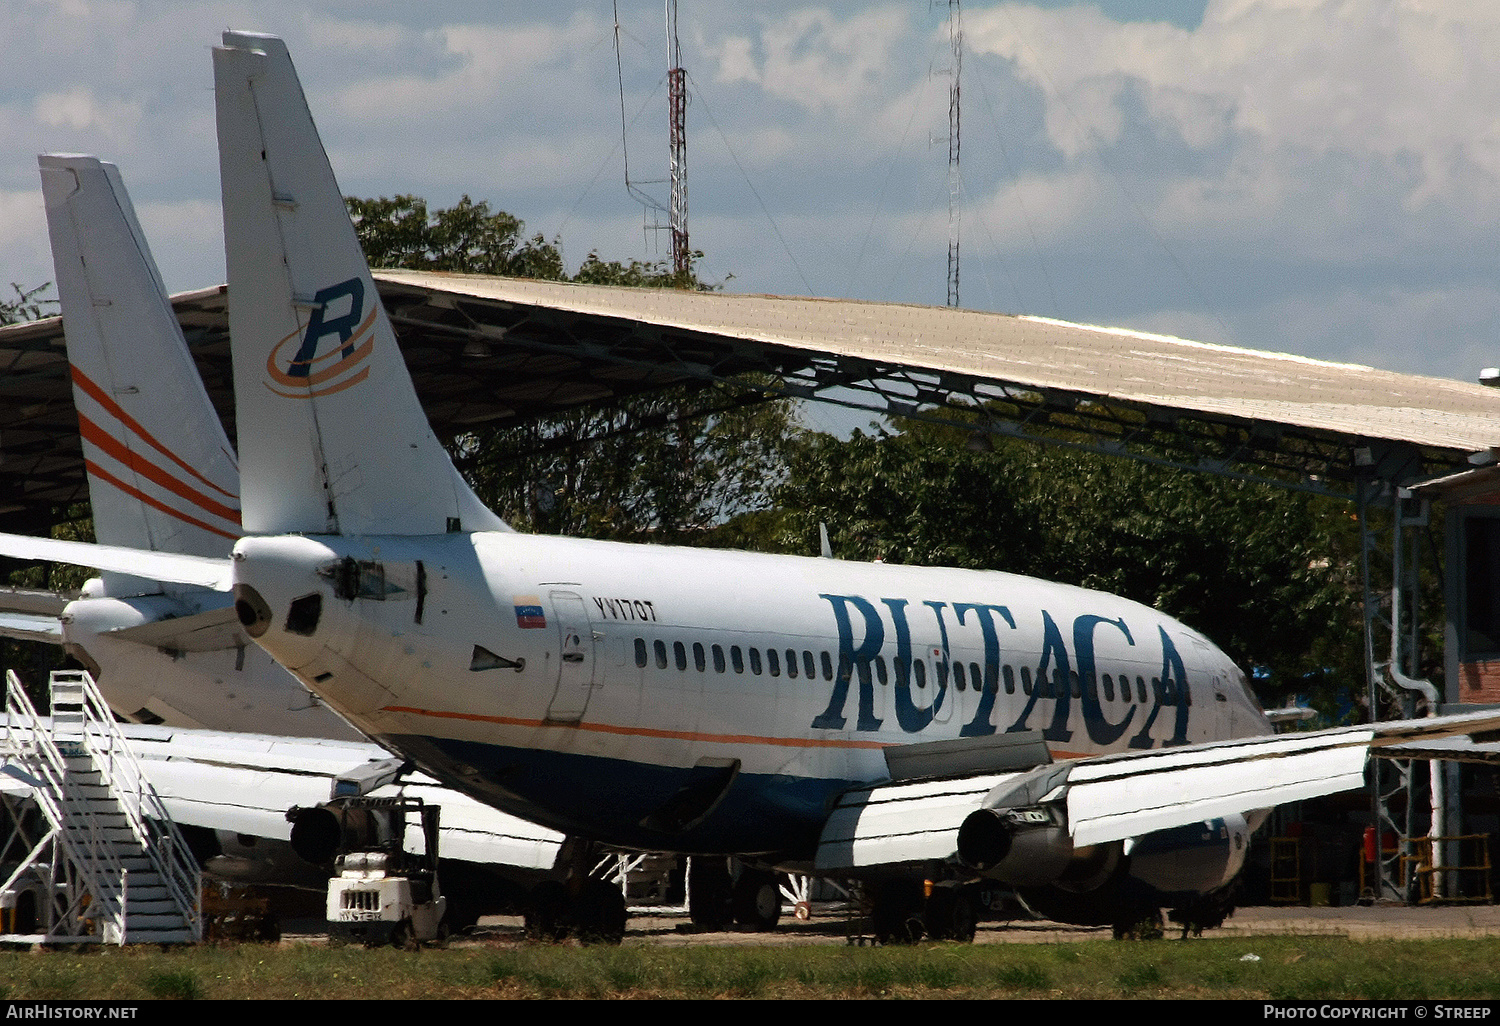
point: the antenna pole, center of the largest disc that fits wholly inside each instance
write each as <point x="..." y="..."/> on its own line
<point x="956" y="39"/>
<point x="682" y="261"/>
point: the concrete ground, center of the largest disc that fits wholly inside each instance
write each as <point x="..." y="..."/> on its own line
<point x="832" y="926"/>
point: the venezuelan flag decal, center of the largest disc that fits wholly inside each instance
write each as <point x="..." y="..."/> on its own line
<point x="529" y="612"/>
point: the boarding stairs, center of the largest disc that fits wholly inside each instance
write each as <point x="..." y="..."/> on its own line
<point x="102" y="861"/>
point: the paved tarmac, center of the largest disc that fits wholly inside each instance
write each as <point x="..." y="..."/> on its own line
<point x="832" y="926"/>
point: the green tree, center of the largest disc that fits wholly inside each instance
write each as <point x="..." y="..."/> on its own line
<point x="28" y="304"/>
<point x="1269" y="574"/>
<point x="651" y="466"/>
<point x="467" y="238"/>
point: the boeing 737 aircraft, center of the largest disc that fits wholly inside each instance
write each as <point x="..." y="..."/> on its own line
<point x="897" y="724"/>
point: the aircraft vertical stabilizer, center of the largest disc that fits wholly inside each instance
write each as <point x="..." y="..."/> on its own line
<point x="161" y="472"/>
<point x="332" y="438"/>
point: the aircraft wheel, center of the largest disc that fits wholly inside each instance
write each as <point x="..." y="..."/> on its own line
<point x="757" y="899"/>
<point x="897" y="914"/>
<point x="546" y="912"/>
<point x="950" y="914"/>
<point x="709" y="893"/>
<point x="600" y="913"/>
<point x="403" y="937"/>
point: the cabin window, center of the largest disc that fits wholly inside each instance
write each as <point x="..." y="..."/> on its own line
<point x="958" y="676"/>
<point x="991" y="678"/>
<point x="1025" y="680"/>
<point x="809" y="665"/>
<point x="681" y="655"/>
<point x="736" y="659"/>
<point x="846" y="668"/>
<point x="827" y="666"/>
<point x="791" y="663"/>
<point x="661" y="654"/>
<point x="1109" y="688"/>
<point x="699" y="663"/>
<point x="1077" y="685"/>
<point x="1010" y="679"/>
<point x="718" y="659"/>
<point x="919" y="667"/>
<point x="773" y="663"/>
<point x="880" y="669"/>
<point x="899" y="670"/>
<point x="640" y="651"/>
<point x="1140" y="689"/>
<point x="755" y="661"/>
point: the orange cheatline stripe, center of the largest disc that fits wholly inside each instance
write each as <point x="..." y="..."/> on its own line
<point x="676" y="735"/>
<point x="92" y="432"/>
<point x="103" y="475"/>
<point x="99" y="396"/>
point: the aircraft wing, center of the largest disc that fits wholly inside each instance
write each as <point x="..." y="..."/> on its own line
<point x="202" y="571"/>
<point x="1115" y="797"/>
<point x="245" y="783"/>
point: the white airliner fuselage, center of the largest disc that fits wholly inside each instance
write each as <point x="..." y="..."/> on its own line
<point x="698" y="700"/>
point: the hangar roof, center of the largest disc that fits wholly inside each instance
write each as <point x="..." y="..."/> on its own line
<point x="485" y="349"/>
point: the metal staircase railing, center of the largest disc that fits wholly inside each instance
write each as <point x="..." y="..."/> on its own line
<point x="112" y="866"/>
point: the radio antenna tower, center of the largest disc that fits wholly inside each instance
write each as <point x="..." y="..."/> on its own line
<point x="677" y="212"/>
<point x="682" y="259"/>
<point x="955" y="214"/>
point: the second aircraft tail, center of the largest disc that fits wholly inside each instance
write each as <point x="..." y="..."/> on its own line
<point x="161" y="473"/>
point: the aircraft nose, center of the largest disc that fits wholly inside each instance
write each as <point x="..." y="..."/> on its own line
<point x="278" y="594"/>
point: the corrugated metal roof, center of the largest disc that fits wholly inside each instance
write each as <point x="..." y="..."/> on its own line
<point x="1033" y="352"/>
<point x="505" y="351"/>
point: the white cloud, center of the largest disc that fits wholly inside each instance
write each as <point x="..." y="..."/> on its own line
<point x="817" y="59"/>
<point x="78" y="108"/>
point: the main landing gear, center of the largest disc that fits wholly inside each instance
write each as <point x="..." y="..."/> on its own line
<point x="592" y="911"/>
<point x="718" y="897"/>
<point x="582" y="906"/>
<point x="904" y="911"/>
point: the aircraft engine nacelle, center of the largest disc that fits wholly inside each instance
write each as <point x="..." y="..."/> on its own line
<point x="322" y="832"/>
<point x="1030" y="846"/>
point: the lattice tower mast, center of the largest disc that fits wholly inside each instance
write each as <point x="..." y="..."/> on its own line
<point x="955" y="215"/>
<point x="682" y="262"/>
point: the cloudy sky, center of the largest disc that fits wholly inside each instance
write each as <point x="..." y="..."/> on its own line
<point x="1319" y="177"/>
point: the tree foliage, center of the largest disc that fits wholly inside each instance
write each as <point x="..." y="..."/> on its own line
<point x="467" y="238"/>
<point x="650" y="466"/>
<point x="1270" y="575"/>
<point x="28" y="304"/>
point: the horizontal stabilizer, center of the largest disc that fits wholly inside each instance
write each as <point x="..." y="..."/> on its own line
<point x="31" y="627"/>
<point x="203" y="571"/>
<point x="212" y="631"/>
